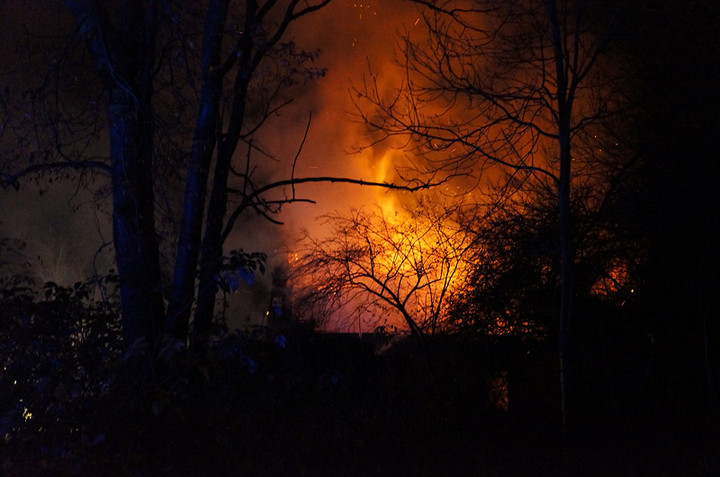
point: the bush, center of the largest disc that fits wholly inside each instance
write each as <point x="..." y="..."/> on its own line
<point x="56" y="352"/>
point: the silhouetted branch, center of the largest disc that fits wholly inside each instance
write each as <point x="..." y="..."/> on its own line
<point x="12" y="179"/>
<point x="249" y="199"/>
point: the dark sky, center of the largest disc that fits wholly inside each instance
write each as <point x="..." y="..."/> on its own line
<point x="60" y="241"/>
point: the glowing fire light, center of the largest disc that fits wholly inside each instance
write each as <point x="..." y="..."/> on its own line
<point x="385" y="262"/>
<point x="616" y="279"/>
<point x="364" y="7"/>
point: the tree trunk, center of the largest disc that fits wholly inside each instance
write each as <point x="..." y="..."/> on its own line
<point x="567" y="258"/>
<point x="204" y="140"/>
<point x="124" y="58"/>
<point x="564" y="97"/>
<point x="136" y="246"/>
<point x="212" y="246"/>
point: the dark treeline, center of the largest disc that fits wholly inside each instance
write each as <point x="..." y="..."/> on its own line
<point x="479" y="395"/>
<point x="673" y="213"/>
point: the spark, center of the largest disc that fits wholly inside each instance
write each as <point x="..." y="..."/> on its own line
<point x="364" y="7"/>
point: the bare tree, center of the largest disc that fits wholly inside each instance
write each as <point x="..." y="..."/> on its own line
<point x="514" y="85"/>
<point x="405" y="264"/>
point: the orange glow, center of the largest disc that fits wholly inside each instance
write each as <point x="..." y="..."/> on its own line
<point x="409" y="236"/>
<point x="394" y="257"/>
<point x="499" y="391"/>
<point x="364" y="9"/>
<point x="383" y="171"/>
<point x="616" y="279"/>
<point x="292" y="258"/>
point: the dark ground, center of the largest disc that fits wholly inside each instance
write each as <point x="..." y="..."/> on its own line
<point x="333" y="405"/>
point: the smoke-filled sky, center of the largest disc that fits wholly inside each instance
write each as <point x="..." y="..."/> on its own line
<point x="353" y="37"/>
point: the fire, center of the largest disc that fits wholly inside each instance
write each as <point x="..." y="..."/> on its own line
<point x="616" y="279"/>
<point x="397" y="253"/>
<point x="383" y="171"/>
<point x="383" y="264"/>
<point x="293" y="257"/>
<point x="408" y="242"/>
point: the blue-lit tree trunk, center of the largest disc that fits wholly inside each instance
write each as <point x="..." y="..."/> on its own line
<point x="136" y="247"/>
<point x="124" y="57"/>
<point x="183" y="288"/>
<point x="212" y="245"/>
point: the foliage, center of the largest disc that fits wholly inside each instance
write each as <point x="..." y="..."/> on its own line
<point x="516" y="86"/>
<point x="55" y="353"/>
<point x="240" y="265"/>
<point x="76" y="399"/>
<point x="513" y="285"/>
<point x="263" y="403"/>
<point x="178" y="90"/>
<point x="13" y="272"/>
<point x="75" y="403"/>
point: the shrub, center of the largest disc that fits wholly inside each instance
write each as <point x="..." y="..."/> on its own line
<point x="56" y="347"/>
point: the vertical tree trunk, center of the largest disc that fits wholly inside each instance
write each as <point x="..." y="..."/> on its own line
<point x="136" y="246"/>
<point x="130" y="78"/>
<point x="204" y="140"/>
<point x="212" y="246"/>
<point x="124" y="59"/>
<point x="211" y="259"/>
<point x="564" y="97"/>
<point x="567" y="258"/>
